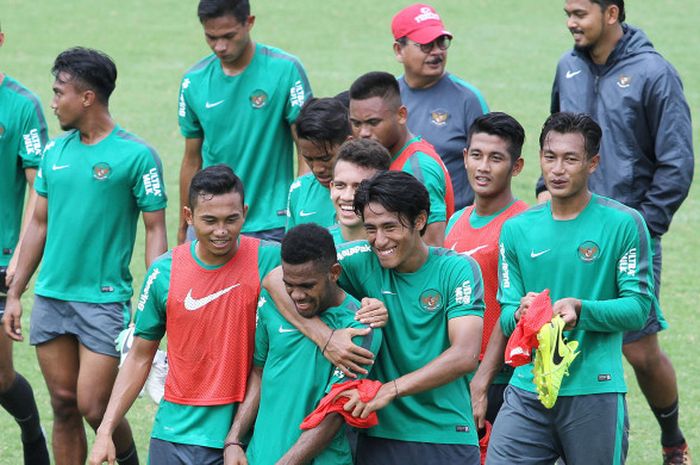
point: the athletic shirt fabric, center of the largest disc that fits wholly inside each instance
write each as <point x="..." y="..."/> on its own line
<point x="22" y="139"/>
<point x="309" y="202"/>
<point x="337" y="234"/>
<point x="214" y="370"/>
<point x="603" y="257"/>
<point x="295" y="378"/>
<point x="482" y="245"/>
<point x="95" y="194"/>
<point x="245" y="122"/>
<point x="419" y="158"/>
<point x="421" y="304"/>
<point x="443" y="114"/>
<point x="205" y="426"/>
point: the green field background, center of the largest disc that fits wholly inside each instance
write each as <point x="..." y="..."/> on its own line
<point x="506" y="48"/>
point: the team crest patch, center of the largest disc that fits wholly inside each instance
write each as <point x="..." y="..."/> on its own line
<point x="430" y="300"/>
<point x="2" y="130"/>
<point x="588" y="251"/>
<point x="258" y="98"/>
<point x="101" y="171"/>
<point x="439" y="117"/>
<point x="624" y="81"/>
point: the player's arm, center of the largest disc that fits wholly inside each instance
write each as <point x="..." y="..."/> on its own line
<point x="336" y="345"/>
<point x="156" y="235"/>
<point x="312" y="442"/>
<point x="30" y="174"/>
<point x="435" y="234"/>
<point x="511" y="288"/>
<point x="489" y="367"/>
<point x="459" y="359"/>
<point x="191" y="163"/>
<point x="131" y="378"/>
<point x="29" y="258"/>
<point x="668" y="117"/>
<point x="244" y="420"/>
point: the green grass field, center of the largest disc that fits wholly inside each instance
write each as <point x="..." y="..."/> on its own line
<point x="507" y="48"/>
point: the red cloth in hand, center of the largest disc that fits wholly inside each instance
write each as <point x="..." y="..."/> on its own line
<point x="524" y="337"/>
<point x="484" y="442"/>
<point x="329" y="404"/>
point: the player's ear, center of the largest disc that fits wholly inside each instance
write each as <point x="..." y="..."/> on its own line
<point x="593" y="163"/>
<point x="421" y="220"/>
<point x="517" y="166"/>
<point x="250" y="22"/>
<point x="403" y="114"/>
<point x="335" y="271"/>
<point x="188" y="215"/>
<point x="89" y="98"/>
<point x="398" y="52"/>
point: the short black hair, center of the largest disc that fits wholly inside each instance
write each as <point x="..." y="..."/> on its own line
<point x="211" y="9"/>
<point x="309" y="242"/>
<point x="581" y="123"/>
<point x="323" y="121"/>
<point x="377" y="84"/>
<point x="214" y="180"/>
<point x="620" y="4"/>
<point x="89" y="69"/>
<point x="344" y="98"/>
<point x="503" y="126"/>
<point x="366" y="153"/>
<point x="397" y="192"/>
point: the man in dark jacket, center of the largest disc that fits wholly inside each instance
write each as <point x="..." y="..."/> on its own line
<point x="614" y="74"/>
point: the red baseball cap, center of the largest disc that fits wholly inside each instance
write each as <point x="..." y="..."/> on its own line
<point x="418" y="22"/>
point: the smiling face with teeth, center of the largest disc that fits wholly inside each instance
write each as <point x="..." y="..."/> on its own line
<point x="346" y="178"/>
<point x="592" y="26"/>
<point x="217" y="221"/>
<point x="397" y="243"/>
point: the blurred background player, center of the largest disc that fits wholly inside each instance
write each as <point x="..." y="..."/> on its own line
<point x="491" y="160"/>
<point x="441" y="106"/>
<point x="22" y="139"/>
<point x="376" y="112"/>
<point x="322" y="126"/>
<point x="615" y="74"/>
<point x="594" y="255"/>
<point x="358" y="159"/>
<point x="310" y="273"/>
<point x="99" y="177"/>
<point x="237" y="106"/>
<point x="195" y="294"/>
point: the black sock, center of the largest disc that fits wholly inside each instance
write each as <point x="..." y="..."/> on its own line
<point x="671" y="434"/>
<point x="19" y="402"/>
<point x="129" y="456"/>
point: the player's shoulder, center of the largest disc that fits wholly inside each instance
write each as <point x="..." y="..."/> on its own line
<point x="614" y="210"/>
<point x="134" y="143"/>
<point x="454" y="264"/>
<point x="268" y="246"/>
<point x="61" y="140"/>
<point x="199" y="68"/>
<point x="350" y="249"/>
<point x="466" y="88"/>
<point x="302" y="181"/>
<point x="526" y="215"/>
<point x="21" y="93"/>
<point x="456" y="217"/>
<point x="277" y="56"/>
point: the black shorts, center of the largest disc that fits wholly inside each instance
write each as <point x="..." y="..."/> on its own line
<point x="171" y="453"/>
<point x="380" y="451"/>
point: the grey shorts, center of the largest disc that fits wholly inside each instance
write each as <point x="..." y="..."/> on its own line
<point x="380" y="451"/>
<point x="96" y="326"/>
<point x="170" y="453"/>
<point x="582" y="430"/>
<point x="655" y="322"/>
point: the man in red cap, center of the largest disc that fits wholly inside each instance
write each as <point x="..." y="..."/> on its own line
<point x="441" y="106"/>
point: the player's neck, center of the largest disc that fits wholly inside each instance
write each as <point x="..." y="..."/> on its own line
<point x="395" y="149"/>
<point x="237" y="67"/>
<point x="421" y="82"/>
<point x="96" y="127"/>
<point x="418" y="257"/>
<point x="487" y="206"/>
<point x="356" y="233"/>
<point x="210" y="259"/>
<point x="568" y="208"/>
<point x="601" y="52"/>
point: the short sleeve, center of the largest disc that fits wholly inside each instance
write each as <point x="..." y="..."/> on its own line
<point x="151" y="307"/>
<point x="292" y="202"/>
<point x="40" y="184"/>
<point x="299" y="91"/>
<point x="430" y="174"/>
<point x="34" y="135"/>
<point x="190" y="126"/>
<point x="148" y="186"/>
<point x="262" y="340"/>
<point x="465" y="287"/>
<point x="356" y="259"/>
<point x="269" y="257"/>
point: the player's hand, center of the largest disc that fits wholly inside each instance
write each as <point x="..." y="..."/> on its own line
<point x="235" y="455"/>
<point x="568" y="309"/>
<point x="372" y="313"/>
<point x="525" y="303"/>
<point x="345" y="354"/>
<point x="12" y="321"/>
<point x="102" y="450"/>
<point x="479" y="396"/>
<point x="544" y="196"/>
<point x="353" y="403"/>
<point x="384" y="396"/>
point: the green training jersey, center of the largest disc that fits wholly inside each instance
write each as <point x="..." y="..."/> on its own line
<point x="185" y="424"/>
<point x="95" y="194"/>
<point x="420" y="305"/>
<point x="430" y="174"/>
<point x="309" y="202"/>
<point x="245" y="122"/>
<point x="602" y="257"/>
<point x="295" y="378"/>
<point x="22" y="139"/>
<point x="337" y="234"/>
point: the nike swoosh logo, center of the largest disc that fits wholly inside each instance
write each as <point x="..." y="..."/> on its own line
<point x="534" y="254"/>
<point x="474" y="250"/>
<point x="303" y="213"/>
<point x="389" y="293"/>
<point x="59" y="167"/>
<point x="193" y="304"/>
<point x="287" y="330"/>
<point x="212" y="105"/>
<point x="556" y="356"/>
<point x="570" y="74"/>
